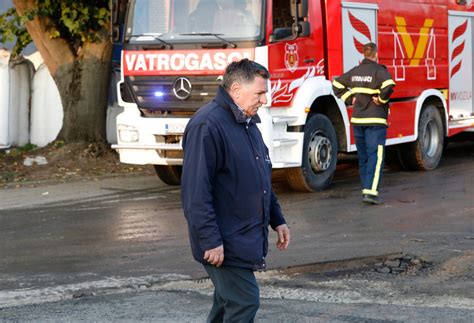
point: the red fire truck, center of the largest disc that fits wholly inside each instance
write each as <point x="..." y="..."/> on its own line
<point x="174" y="54"/>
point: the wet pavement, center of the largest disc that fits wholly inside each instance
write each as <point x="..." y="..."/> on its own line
<point x="121" y="235"/>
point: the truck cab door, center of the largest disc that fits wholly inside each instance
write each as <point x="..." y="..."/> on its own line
<point x="293" y="57"/>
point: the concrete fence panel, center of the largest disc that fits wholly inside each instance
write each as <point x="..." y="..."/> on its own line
<point x="21" y="73"/>
<point x="4" y="98"/>
<point x="46" y="109"/>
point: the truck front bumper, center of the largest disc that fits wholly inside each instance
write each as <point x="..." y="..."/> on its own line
<point x="154" y="141"/>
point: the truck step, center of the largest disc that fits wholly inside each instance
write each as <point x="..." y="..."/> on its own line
<point x="283" y="164"/>
<point x="467" y="121"/>
<point x="284" y="119"/>
<point x="284" y="142"/>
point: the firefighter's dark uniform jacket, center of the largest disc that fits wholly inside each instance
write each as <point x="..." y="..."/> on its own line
<point x="365" y="81"/>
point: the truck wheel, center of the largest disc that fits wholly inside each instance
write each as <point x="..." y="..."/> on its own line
<point x="319" y="156"/>
<point x="425" y="153"/>
<point x="393" y="157"/>
<point x="170" y="174"/>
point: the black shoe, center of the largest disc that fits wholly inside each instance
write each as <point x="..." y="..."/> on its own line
<point x="371" y="199"/>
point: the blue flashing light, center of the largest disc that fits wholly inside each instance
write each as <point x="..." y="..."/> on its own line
<point x="159" y="94"/>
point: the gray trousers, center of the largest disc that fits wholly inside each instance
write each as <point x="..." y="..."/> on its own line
<point x="236" y="294"/>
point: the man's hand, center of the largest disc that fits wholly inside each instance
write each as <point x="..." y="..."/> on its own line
<point x="283" y="236"/>
<point x="376" y="100"/>
<point x="215" y="256"/>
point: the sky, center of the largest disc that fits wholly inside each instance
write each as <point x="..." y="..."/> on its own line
<point x="4" y="5"/>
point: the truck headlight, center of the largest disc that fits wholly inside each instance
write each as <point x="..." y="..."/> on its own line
<point x="127" y="133"/>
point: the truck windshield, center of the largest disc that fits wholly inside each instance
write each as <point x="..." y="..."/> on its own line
<point x="176" y="20"/>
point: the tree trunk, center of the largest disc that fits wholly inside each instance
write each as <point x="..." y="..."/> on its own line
<point x="82" y="77"/>
<point x="83" y="86"/>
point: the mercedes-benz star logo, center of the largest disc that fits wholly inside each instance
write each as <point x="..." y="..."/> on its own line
<point x="182" y="88"/>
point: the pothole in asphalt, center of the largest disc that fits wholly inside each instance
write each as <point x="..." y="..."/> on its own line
<point x="401" y="265"/>
<point x="396" y="264"/>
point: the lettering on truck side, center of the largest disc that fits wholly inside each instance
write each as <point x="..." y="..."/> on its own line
<point x="171" y="62"/>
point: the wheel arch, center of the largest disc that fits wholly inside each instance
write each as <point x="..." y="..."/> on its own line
<point x="435" y="98"/>
<point x="316" y="96"/>
<point x="328" y="106"/>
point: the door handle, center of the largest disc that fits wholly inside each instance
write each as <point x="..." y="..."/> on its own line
<point x="309" y="60"/>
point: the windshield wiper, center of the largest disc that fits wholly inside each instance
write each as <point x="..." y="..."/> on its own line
<point x="155" y="37"/>
<point x="218" y="36"/>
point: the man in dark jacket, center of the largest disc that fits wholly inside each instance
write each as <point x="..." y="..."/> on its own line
<point x="368" y="87"/>
<point x="227" y="192"/>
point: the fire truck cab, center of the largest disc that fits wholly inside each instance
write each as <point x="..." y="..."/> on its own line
<point x="174" y="54"/>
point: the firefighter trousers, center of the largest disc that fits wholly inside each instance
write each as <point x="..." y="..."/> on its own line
<point x="370" y="143"/>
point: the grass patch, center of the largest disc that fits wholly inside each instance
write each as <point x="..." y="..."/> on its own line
<point x="8" y="176"/>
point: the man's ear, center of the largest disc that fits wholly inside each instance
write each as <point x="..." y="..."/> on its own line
<point x="235" y="90"/>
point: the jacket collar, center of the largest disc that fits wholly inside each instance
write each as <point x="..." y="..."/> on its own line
<point x="223" y="99"/>
<point x="368" y="61"/>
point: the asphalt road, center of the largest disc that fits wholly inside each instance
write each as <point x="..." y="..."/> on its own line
<point x="73" y="240"/>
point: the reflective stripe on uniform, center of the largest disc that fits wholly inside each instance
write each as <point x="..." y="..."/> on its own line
<point x="387" y="83"/>
<point x="370" y="192"/>
<point x="346" y="95"/>
<point x="383" y="101"/>
<point x="378" y="166"/>
<point x="369" y="120"/>
<point x="338" y="85"/>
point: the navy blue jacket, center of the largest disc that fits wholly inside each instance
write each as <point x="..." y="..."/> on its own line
<point x="226" y="185"/>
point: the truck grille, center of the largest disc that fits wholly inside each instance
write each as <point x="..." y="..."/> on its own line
<point x="155" y="97"/>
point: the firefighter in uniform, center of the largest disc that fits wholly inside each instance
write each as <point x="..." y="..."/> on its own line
<point x="368" y="87"/>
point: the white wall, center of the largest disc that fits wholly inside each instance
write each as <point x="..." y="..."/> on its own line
<point x="30" y="105"/>
<point x="46" y="108"/>
<point x="21" y="73"/>
<point x="4" y="98"/>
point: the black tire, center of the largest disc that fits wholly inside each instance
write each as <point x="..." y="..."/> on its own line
<point x="393" y="157"/>
<point x="170" y="174"/>
<point x="319" y="156"/>
<point x="425" y="153"/>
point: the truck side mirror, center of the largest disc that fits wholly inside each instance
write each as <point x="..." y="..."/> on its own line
<point x="301" y="29"/>
<point x="115" y="33"/>
<point x="302" y="11"/>
<point x="118" y="10"/>
<point x="280" y="34"/>
<point x="114" y="11"/>
<point x="299" y="11"/>
<point x="114" y="28"/>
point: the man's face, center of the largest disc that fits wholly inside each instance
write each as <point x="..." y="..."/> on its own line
<point x="251" y="96"/>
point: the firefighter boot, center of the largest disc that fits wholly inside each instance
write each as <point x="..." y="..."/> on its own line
<point x="371" y="199"/>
